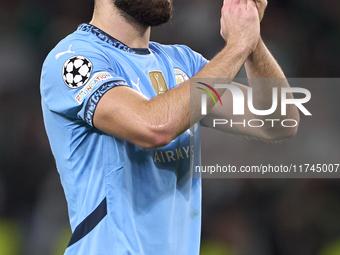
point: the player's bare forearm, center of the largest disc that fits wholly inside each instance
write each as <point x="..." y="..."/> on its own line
<point x="261" y="64"/>
<point x="264" y="74"/>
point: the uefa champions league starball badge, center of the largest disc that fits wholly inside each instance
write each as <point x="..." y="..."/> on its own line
<point x="77" y="71"/>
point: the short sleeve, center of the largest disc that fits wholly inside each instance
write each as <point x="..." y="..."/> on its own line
<point x="73" y="82"/>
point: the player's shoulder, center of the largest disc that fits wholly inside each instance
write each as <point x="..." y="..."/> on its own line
<point x="181" y="56"/>
<point x="177" y="52"/>
<point x="174" y="49"/>
<point x="77" y="49"/>
<point x="74" y="44"/>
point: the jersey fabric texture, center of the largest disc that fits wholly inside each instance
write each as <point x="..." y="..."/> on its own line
<point x="122" y="199"/>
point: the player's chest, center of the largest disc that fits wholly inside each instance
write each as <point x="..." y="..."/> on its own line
<point x="151" y="76"/>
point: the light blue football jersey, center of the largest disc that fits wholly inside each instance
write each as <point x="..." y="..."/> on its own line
<point x="122" y="199"/>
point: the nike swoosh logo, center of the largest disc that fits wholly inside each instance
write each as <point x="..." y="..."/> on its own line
<point x="64" y="52"/>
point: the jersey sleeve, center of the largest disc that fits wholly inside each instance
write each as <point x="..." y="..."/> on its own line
<point x="73" y="82"/>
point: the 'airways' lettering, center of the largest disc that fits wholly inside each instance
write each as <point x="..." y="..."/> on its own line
<point x="173" y="155"/>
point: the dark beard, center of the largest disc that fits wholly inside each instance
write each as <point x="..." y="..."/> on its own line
<point x="146" y="12"/>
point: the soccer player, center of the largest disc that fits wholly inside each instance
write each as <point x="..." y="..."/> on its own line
<point x="117" y="113"/>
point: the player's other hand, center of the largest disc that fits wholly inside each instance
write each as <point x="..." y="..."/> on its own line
<point x="240" y="23"/>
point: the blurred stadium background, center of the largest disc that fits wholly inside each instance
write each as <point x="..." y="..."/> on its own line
<point x="240" y="217"/>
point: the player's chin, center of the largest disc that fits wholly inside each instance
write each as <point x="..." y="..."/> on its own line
<point x="154" y="19"/>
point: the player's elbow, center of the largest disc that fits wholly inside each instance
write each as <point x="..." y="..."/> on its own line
<point x="155" y="137"/>
<point x="283" y="133"/>
<point x="284" y="129"/>
<point x="159" y="141"/>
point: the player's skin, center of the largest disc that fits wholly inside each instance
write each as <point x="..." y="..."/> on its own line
<point x="126" y="113"/>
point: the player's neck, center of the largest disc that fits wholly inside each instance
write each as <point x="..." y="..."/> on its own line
<point x="112" y="22"/>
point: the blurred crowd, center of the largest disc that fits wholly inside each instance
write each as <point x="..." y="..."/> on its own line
<point x="240" y="216"/>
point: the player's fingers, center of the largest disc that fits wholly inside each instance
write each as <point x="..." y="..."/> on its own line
<point x="243" y="1"/>
<point x="227" y="2"/>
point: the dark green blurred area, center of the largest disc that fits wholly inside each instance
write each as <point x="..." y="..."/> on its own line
<point x="240" y="217"/>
